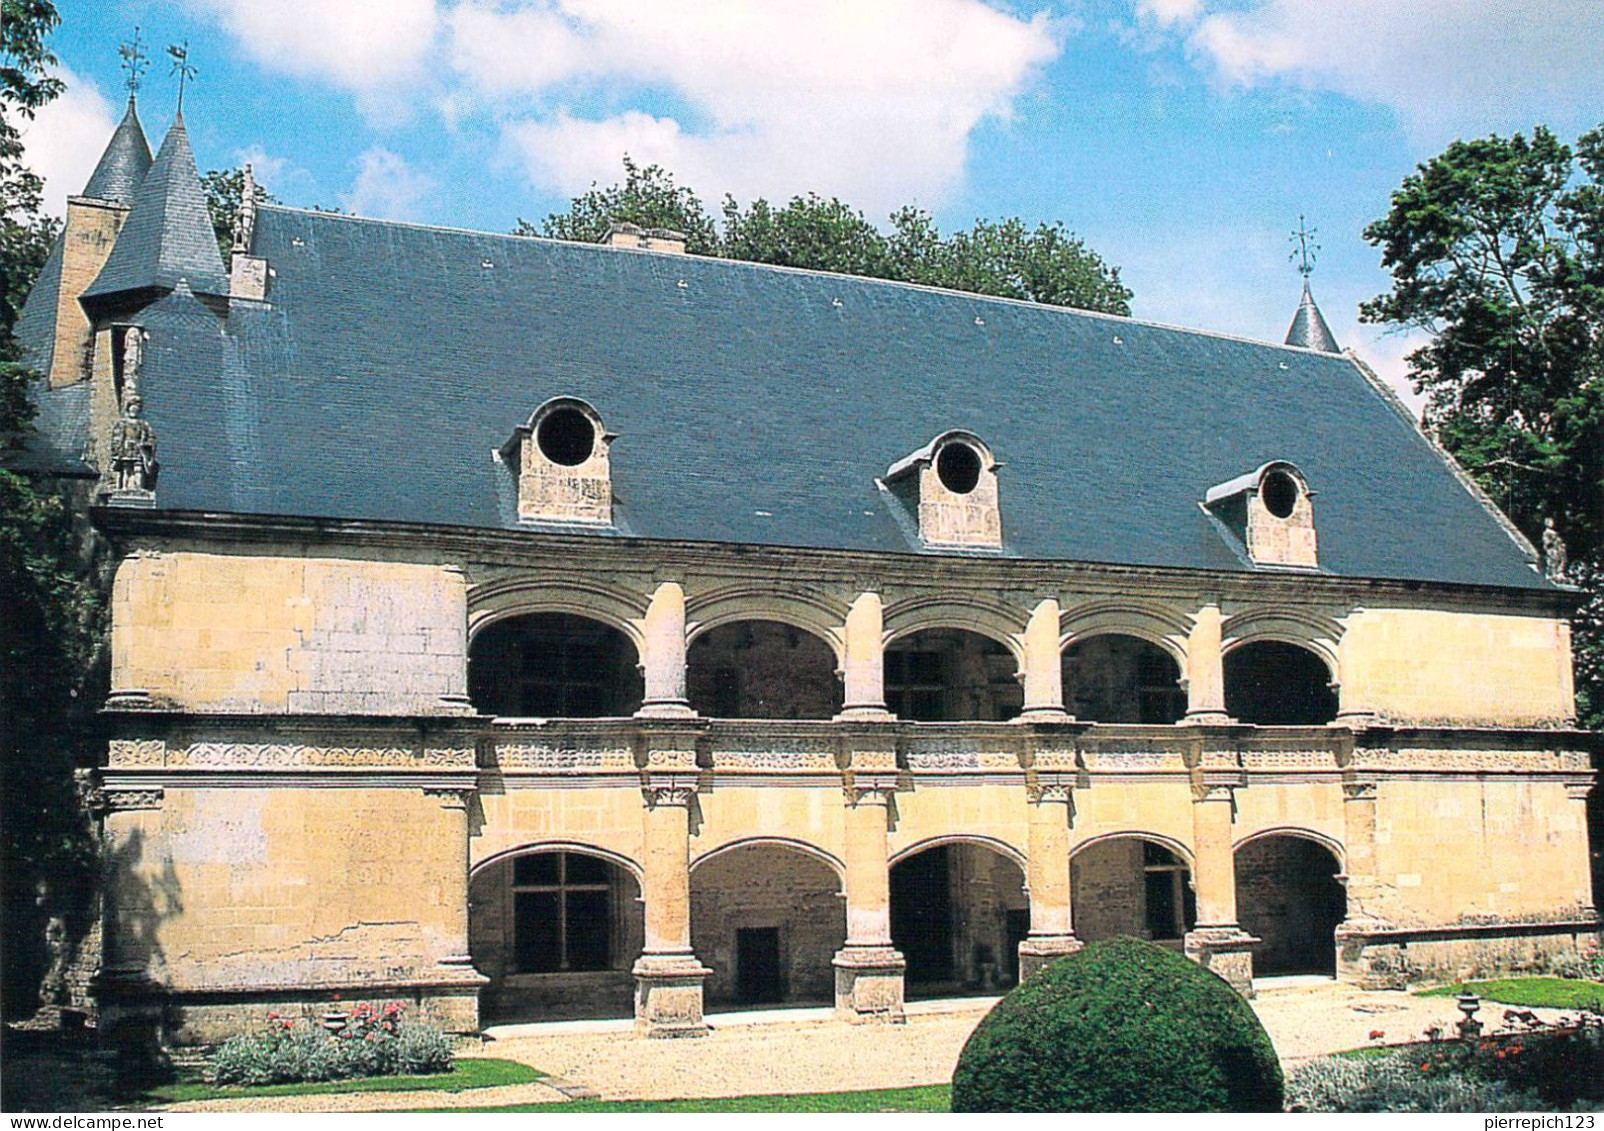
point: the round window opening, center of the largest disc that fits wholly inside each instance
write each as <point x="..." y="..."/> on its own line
<point x="1280" y="493"/>
<point x="566" y="436"/>
<point x="958" y="465"/>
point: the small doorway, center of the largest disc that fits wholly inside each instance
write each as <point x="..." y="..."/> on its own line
<point x="1018" y="925"/>
<point x="757" y="966"/>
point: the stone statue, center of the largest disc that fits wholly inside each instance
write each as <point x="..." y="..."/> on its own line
<point x="133" y="357"/>
<point x="245" y="218"/>
<point x="1555" y="559"/>
<point x="133" y="450"/>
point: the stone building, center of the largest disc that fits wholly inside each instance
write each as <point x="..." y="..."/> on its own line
<point x="530" y="629"/>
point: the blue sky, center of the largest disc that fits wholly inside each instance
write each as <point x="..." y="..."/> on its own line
<point x="1180" y="138"/>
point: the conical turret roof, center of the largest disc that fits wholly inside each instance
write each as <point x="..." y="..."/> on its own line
<point x="168" y="235"/>
<point x="124" y="164"/>
<point x="1309" y="328"/>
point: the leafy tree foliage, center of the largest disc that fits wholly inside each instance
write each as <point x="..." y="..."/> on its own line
<point x="224" y="189"/>
<point x="1496" y="248"/>
<point x="50" y="616"/>
<point x="1043" y="264"/>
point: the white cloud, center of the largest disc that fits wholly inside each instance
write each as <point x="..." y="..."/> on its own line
<point x="386" y="187"/>
<point x="1444" y="66"/>
<point x="355" y="43"/>
<point x="872" y="102"/>
<point x="64" y="143"/>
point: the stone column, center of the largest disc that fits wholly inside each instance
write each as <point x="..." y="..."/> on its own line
<point x="454" y="1004"/>
<point x="668" y="976"/>
<point x="129" y="987"/>
<point x="1044" y="674"/>
<point x="868" y="969"/>
<point x="1364" y="913"/>
<point x="864" y="670"/>
<point x="1205" y="669"/>
<point x="1218" y="942"/>
<point x="1577" y="791"/>
<point x="664" y="659"/>
<point x="1052" y="933"/>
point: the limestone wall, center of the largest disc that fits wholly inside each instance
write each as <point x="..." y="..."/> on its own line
<point x="289" y="633"/>
<point x="1432" y="667"/>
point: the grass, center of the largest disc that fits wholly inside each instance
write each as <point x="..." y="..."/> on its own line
<point x="466" y="1073"/>
<point x="932" y="1097"/>
<point x="1551" y="993"/>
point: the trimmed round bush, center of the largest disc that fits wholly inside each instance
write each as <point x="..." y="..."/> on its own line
<point x="1120" y="1025"/>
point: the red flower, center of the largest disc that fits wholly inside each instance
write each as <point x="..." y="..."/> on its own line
<point x="1377" y="1034"/>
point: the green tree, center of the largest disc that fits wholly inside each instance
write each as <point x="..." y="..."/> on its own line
<point x="1496" y="248"/>
<point x="50" y="613"/>
<point x="648" y="197"/>
<point x="1045" y="264"/>
<point x="225" y="188"/>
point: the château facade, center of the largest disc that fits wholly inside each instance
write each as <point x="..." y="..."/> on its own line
<point x="531" y="629"/>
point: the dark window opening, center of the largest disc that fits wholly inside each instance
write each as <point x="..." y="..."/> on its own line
<point x="1171" y="902"/>
<point x="1288" y="896"/>
<point x="566" y="436"/>
<point x="562" y="913"/>
<point x="553" y="665"/>
<point x="758" y="669"/>
<point x="1122" y="679"/>
<point x="951" y="675"/>
<point x="958" y="467"/>
<point x="1280" y="493"/>
<point x="759" y="976"/>
<point x="1271" y="683"/>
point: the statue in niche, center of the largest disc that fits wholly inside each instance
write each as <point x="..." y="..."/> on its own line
<point x="1555" y="557"/>
<point x="133" y="357"/>
<point x="133" y="450"/>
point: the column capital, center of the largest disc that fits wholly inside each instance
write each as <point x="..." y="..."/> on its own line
<point x="450" y="796"/>
<point x="861" y="790"/>
<point x="1359" y="790"/>
<point x="1206" y="791"/>
<point x="1049" y="790"/>
<point x="1579" y="789"/>
<point x="668" y="793"/>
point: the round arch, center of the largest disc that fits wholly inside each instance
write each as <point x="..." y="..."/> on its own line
<point x="1310" y="631"/>
<point x="808" y="610"/>
<point x="1160" y="627"/>
<point x="583" y="849"/>
<point x="1181" y="851"/>
<point x="1000" y="847"/>
<point x="1330" y="844"/>
<point x="992" y="618"/>
<point x="829" y="859"/>
<point x="611" y="605"/>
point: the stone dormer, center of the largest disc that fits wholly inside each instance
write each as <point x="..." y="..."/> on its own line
<point x="646" y="239"/>
<point x="560" y="459"/>
<point x="951" y="483"/>
<point x="1271" y="512"/>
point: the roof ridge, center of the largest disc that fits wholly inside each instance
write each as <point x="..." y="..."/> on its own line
<point x="1121" y="319"/>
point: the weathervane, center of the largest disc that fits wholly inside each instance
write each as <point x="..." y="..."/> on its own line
<point x="182" y="68"/>
<point x="135" y="62"/>
<point x="1305" y="252"/>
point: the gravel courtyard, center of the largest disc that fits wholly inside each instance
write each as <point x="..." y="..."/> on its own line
<point x="806" y="1051"/>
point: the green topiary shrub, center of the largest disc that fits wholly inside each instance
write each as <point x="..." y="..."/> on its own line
<point x="1120" y="1025"/>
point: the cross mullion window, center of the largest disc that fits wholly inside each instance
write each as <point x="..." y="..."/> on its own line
<point x="562" y="911"/>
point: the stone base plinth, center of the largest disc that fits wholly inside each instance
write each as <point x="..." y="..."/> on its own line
<point x="668" y="995"/>
<point x="1377" y="955"/>
<point x="1227" y="951"/>
<point x="1040" y="950"/>
<point x="868" y="984"/>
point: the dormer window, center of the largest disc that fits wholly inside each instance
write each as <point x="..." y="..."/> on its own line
<point x="951" y="483"/>
<point x="560" y="458"/>
<point x="1270" y="512"/>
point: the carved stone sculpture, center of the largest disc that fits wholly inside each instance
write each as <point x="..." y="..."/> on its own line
<point x="1555" y="557"/>
<point x="133" y="451"/>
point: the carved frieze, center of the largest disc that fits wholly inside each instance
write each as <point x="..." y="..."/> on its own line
<point x="575" y="753"/>
<point x="279" y="755"/>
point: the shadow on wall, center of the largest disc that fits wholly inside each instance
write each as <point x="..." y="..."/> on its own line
<point x="138" y="898"/>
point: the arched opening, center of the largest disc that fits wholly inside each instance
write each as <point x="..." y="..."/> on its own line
<point x="1131" y="886"/>
<point x="556" y="931"/>
<point x="941" y="675"/>
<point x="1273" y="683"/>
<point x="958" y="914"/>
<point x="1113" y="678"/>
<point x="767" y="919"/>
<point x="761" y="669"/>
<point x="1288" y="894"/>
<point x="553" y="665"/>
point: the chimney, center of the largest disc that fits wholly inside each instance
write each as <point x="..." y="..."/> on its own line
<point x="625" y="234"/>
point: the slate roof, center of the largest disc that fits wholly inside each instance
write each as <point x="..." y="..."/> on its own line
<point x="758" y="405"/>
<point x="168" y="234"/>
<point x="1309" y="328"/>
<point x="124" y="164"/>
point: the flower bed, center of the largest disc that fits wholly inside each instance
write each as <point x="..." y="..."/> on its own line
<point x="370" y="1040"/>
<point x="1531" y="1067"/>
